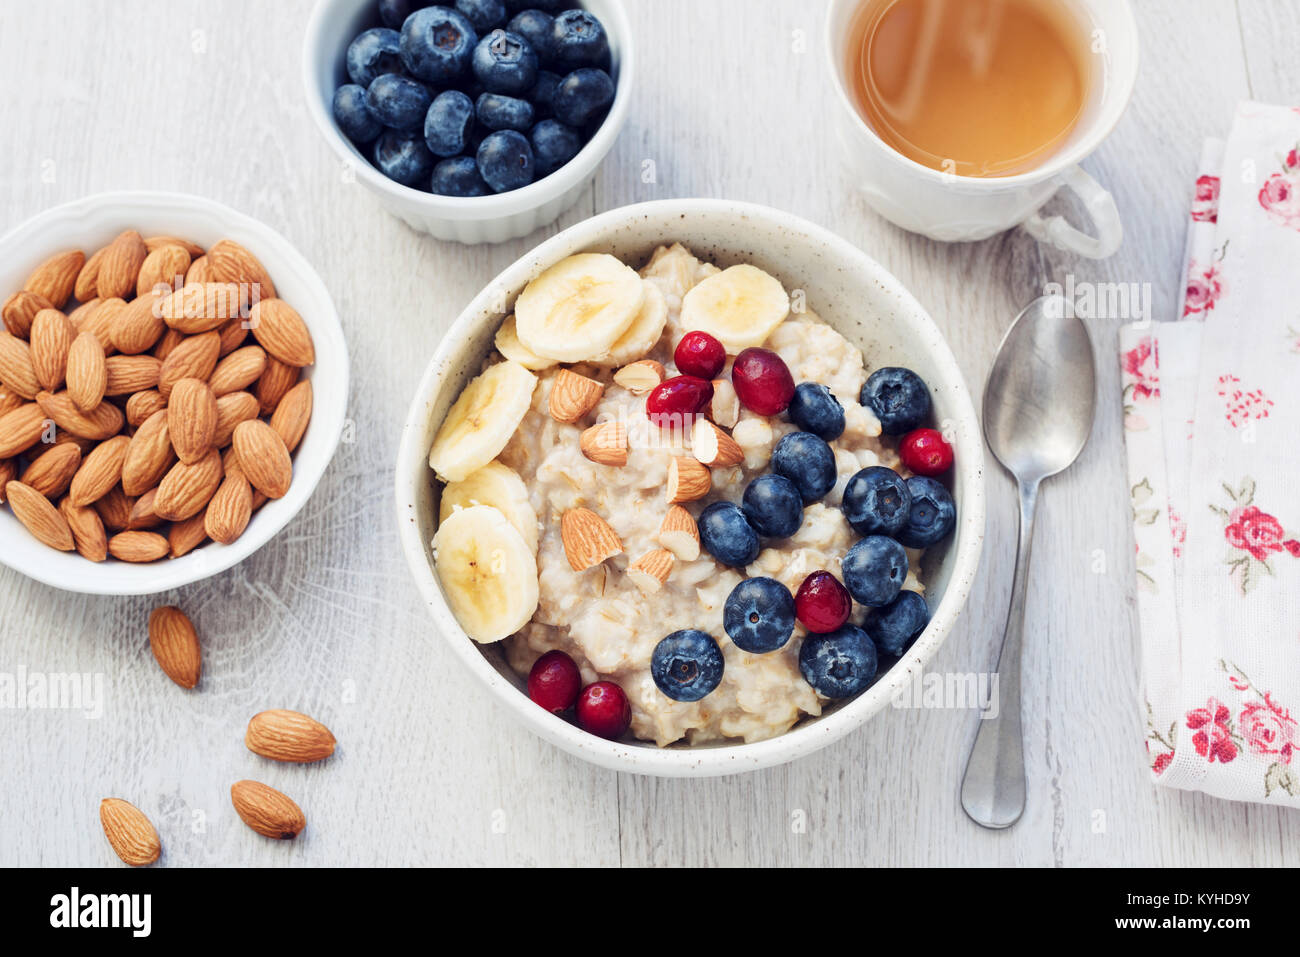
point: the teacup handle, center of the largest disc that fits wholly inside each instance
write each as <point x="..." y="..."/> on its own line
<point x="1101" y="207"/>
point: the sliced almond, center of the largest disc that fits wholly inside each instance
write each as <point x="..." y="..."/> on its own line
<point x="55" y="278"/>
<point x="679" y="534"/>
<point x="266" y="810"/>
<point x="641" y="376"/>
<point x="87" y="371"/>
<point x="573" y="396"/>
<point x="175" y="645"/>
<point x="587" y="538"/>
<point x="605" y="444"/>
<point x="288" y="736"/>
<point x="688" y="480"/>
<point x="651" y="570"/>
<point x="130" y="834"/>
<point x="724" y="407"/>
<point x="39" y="516"/>
<point x="714" y="447"/>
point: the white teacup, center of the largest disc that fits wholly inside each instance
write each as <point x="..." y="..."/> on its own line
<point x="955" y="208"/>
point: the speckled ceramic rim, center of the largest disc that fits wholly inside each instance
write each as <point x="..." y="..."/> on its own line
<point x="319" y="61"/>
<point x="741" y="232"/>
<point x="90" y="223"/>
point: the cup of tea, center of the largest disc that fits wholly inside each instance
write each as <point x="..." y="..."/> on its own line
<point x="961" y="118"/>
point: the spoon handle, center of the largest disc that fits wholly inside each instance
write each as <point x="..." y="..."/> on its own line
<point x="993" y="789"/>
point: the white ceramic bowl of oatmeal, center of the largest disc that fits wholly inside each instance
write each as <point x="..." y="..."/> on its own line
<point x="860" y="318"/>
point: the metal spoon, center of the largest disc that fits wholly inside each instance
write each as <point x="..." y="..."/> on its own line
<point x="1038" y="409"/>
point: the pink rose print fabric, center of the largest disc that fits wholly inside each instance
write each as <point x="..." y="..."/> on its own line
<point x="1212" y="432"/>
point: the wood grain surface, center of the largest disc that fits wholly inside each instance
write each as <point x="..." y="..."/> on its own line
<point x="733" y="101"/>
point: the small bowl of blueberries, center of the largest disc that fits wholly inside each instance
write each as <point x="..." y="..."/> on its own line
<point x="471" y="120"/>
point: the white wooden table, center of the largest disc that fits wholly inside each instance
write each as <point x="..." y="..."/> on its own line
<point x="205" y="97"/>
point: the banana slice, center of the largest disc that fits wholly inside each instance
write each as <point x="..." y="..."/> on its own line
<point x="578" y="308"/>
<point x="500" y="487"/>
<point x="741" y="306"/>
<point x="488" y="573"/>
<point x="482" y="421"/>
<point x="508" y="344"/>
<point x="645" y="331"/>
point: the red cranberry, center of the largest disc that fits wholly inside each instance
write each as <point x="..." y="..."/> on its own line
<point x="554" y="682"/>
<point x="603" y="710"/>
<point x="822" y="603"/>
<point x="672" y="400"/>
<point x="925" y="452"/>
<point x="763" y="381"/>
<point x="699" y="354"/>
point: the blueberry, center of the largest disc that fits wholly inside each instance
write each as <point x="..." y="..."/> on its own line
<point x="898" y="397"/>
<point x="496" y="111"/>
<point x="874" y="570"/>
<point x="505" y="160"/>
<point x="403" y="157"/>
<point x="582" y="95"/>
<point x="394" y="12"/>
<point x="686" y="665"/>
<point x="485" y="15"/>
<point x="505" y="62"/>
<point x="759" y="615"/>
<point x="351" y="115"/>
<point x="815" y="409"/>
<point x="808" y="462"/>
<point x="398" y="102"/>
<point x="894" y="627"/>
<point x="554" y="144"/>
<point x="448" y="123"/>
<point x="373" y="54"/>
<point x="542" y="95"/>
<point x="773" y="506"/>
<point x="459" y="176"/>
<point x="932" y="513"/>
<point x="437" y="44"/>
<point x="535" y="27"/>
<point x="839" y="663"/>
<point x="578" y="39"/>
<point x="876" y="502"/>
<point x="726" y="534"/>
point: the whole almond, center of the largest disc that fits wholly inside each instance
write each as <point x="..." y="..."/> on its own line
<point x="51" y="338"/>
<point x="99" y="423"/>
<point x="21" y="429"/>
<point x="166" y="343"/>
<point x="86" y="286"/>
<point x="175" y="645"/>
<point x="233" y="333"/>
<point x="163" y="266"/>
<point x="230" y="509"/>
<point x="191" y="419"/>
<point x="16" y="369"/>
<point x="276" y="379"/>
<point x="193" y="358"/>
<point x="101" y="321"/>
<point x="198" y="271"/>
<point x="20" y="309"/>
<point x="130" y="374"/>
<point x="79" y="314"/>
<point x="572" y="396"/>
<point x="137" y="546"/>
<point x="114" y="509"/>
<point x="282" y="332"/>
<point x="87" y="371"/>
<point x="129" y="832"/>
<point x="292" y="415"/>
<point x="263" y="457"/>
<point x="55" y="278"/>
<point x="233" y="408"/>
<point x="51" y="472"/>
<point x="99" y="471"/>
<point x="156" y="242"/>
<point x="87" y="530"/>
<point x="200" y="307"/>
<point x="9" y="400"/>
<point x="142" y="514"/>
<point x="184" y="537"/>
<point x="149" y="455"/>
<point x="288" y="736"/>
<point x="266" y="810"/>
<point x="587" y="538"/>
<point x="39" y="515"/>
<point x="137" y="326"/>
<point x="120" y="266"/>
<point x="142" y="405"/>
<point x="8" y="473"/>
<point x="230" y="262"/>
<point x="187" y="488"/>
<point x="238" y="370"/>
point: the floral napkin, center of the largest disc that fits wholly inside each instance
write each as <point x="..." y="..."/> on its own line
<point x="1212" y="428"/>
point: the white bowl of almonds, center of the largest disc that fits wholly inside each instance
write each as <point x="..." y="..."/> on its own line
<point x="161" y="408"/>
<point x="631" y="488"/>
